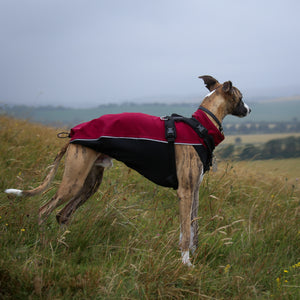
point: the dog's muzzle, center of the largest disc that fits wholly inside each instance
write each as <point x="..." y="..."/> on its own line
<point x="248" y="109"/>
<point x="241" y="110"/>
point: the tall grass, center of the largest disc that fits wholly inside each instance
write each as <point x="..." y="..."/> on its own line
<point x="123" y="243"/>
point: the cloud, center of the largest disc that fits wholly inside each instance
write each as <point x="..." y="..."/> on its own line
<point x="90" y="52"/>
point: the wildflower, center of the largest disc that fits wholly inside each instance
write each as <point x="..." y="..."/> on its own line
<point x="297" y="265"/>
<point x="285" y="271"/>
<point x="6" y="224"/>
<point x="226" y="269"/>
<point x="23" y="229"/>
<point x="278" y="281"/>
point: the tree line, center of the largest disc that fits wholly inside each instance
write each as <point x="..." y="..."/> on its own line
<point x="263" y="127"/>
<point x="278" y="148"/>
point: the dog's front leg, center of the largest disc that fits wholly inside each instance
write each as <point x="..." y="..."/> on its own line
<point x="194" y="216"/>
<point x="185" y="209"/>
<point x="189" y="170"/>
<point x="194" y="222"/>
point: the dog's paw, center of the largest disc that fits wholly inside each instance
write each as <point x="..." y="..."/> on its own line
<point x="185" y="257"/>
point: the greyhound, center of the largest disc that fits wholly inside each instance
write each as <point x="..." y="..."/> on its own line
<point x="84" y="168"/>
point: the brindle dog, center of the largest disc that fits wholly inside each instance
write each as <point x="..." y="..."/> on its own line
<point x="84" y="169"/>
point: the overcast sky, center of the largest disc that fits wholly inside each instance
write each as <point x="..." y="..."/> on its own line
<point x="90" y="52"/>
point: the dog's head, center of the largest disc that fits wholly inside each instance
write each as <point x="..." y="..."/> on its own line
<point x="234" y="104"/>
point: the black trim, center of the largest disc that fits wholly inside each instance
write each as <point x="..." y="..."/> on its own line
<point x="154" y="160"/>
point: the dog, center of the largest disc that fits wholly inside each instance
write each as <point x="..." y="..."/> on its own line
<point x="84" y="168"/>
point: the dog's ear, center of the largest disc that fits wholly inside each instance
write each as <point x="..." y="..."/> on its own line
<point x="227" y="87"/>
<point x="210" y="82"/>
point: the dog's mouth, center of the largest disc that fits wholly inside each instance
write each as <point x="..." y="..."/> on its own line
<point x="241" y="110"/>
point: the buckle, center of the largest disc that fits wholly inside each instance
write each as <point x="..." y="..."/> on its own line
<point x="170" y="134"/>
<point x="164" y="118"/>
<point x="202" y="129"/>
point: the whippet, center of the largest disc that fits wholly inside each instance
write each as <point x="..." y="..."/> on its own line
<point x="84" y="166"/>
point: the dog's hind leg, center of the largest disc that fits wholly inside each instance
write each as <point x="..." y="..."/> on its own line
<point x="90" y="187"/>
<point x="189" y="170"/>
<point x="78" y="163"/>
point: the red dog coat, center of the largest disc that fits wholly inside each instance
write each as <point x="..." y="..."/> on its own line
<point x="139" y="141"/>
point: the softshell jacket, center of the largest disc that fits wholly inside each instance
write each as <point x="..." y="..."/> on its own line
<point x="139" y="141"/>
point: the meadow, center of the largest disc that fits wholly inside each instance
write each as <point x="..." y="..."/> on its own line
<point x="123" y="242"/>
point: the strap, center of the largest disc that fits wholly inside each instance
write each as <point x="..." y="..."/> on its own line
<point x="170" y="134"/>
<point x="200" y="130"/>
<point x="170" y="131"/>
<point x="213" y="116"/>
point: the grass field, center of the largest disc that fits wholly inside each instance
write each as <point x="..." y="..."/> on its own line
<point x="123" y="243"/>
<point x="284" y="169"/>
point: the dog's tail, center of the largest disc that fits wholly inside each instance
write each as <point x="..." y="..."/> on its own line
<point x="47" y="180"/>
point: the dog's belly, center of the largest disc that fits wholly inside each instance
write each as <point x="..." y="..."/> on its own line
<point x="153" y="160"/>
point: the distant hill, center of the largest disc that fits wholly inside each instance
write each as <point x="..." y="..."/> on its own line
<point x="278" y="110"/>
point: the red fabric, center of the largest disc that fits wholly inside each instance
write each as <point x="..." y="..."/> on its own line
<point x="142" y="126"/>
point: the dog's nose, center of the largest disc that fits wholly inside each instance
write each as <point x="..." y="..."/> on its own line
<point x="247" y="108"/>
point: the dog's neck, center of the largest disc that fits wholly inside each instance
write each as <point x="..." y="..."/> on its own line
<point x="216" y="105"/>
<point x="212" y="117"/>
<point x="216" y="111"/>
